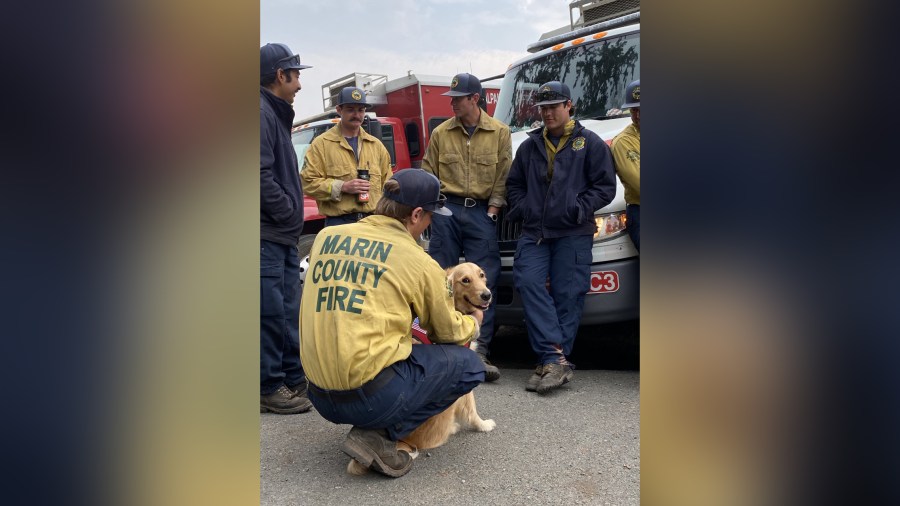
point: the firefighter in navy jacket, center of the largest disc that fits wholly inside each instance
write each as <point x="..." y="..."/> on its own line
<point x="560" y="175"/>
<point x="282" y="379"/>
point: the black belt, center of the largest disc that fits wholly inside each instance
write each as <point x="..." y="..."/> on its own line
<point x="359" y="216"/>
<point x="466" y="201"/>
<point x="370" y="388"/>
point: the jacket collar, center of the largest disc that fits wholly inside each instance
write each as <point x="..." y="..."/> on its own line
<point x="283" y="110"/>
<point x="334" y="134"/>
<point x="537" y="135"/>
<point x="484" y="122"/>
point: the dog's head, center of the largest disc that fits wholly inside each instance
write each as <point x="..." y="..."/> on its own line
<point x="470" y="291"/>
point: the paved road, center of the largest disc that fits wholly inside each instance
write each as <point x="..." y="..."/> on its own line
<point x="578" y="445"/>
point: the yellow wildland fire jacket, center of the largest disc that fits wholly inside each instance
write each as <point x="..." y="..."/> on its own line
<point x="626" y="151"/>
<point x="365" y="284"/>
<point x="330" y="161"/>
<point x="473" y="167"/>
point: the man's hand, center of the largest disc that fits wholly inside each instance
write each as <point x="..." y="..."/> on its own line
<point x="355" y="186"/>
<point x="493" y="212"/>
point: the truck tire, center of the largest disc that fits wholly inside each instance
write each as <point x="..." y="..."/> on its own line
<point x="304" y="246"/>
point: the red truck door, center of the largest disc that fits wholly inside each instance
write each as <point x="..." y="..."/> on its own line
<point x="392" y="135"/>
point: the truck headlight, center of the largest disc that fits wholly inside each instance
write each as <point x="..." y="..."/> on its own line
<point x="609" y="226"/>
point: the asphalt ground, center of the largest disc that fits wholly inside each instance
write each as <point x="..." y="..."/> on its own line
<point x="577" y="445"/>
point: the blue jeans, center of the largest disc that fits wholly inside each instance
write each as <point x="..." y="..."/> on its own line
<point x="279" y="314"/>
<point x="552" y="316"/>
<point x="426" y="383"/>
<point x="470" y="233"/>
<point x="633" y="224"/>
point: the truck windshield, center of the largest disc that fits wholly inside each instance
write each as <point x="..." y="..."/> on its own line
<point x="596" y="73"/>
<point x="303" y="138"/>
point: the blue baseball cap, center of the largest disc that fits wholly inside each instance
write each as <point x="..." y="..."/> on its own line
<point x="419" y="189"/>
<point x="553" y="92"/>
<point x="352" y="95"/>
<point x="633" y="95"/>
<point x="462" y="85"/>
<point x="274" y="56"/>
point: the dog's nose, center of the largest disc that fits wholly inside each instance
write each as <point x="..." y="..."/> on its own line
<point x="486" y="295"/>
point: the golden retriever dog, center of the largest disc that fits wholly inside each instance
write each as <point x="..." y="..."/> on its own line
<point x="470" y="292"/>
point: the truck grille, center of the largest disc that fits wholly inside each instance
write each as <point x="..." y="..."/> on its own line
<point x="596" y="12"/>
<point x="507" y="233"/>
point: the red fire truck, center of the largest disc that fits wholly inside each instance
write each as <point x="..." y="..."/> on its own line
<point x="405" y="111"/>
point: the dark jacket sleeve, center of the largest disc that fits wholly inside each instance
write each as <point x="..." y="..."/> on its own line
<point x="601" y="177"/>
<point x="273" y="200"/>
<point x="515" y="185"/>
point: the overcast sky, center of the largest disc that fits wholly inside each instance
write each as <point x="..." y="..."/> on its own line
<point x="435" y="37"/>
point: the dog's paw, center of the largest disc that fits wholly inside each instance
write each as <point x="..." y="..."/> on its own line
<point x="487" y="425"/>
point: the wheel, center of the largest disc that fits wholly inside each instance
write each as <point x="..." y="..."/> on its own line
<point x="304" y="246"/>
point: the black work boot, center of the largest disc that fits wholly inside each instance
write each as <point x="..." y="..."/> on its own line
<point x="284" y="402"/>
<point x="555" y="376"/>
<point x="535" y="379"/>
<point x="491" y="373"/>
<point x="372" y="449"/>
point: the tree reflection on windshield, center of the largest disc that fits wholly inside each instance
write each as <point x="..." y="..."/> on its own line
<point x="596" y="73"/>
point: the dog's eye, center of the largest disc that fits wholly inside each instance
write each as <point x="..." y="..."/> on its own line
<point x="466" y="280"/>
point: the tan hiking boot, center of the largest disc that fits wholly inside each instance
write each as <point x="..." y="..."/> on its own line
<point x="535" y="379"/>
<point x="372" y="449"/>
<point x="555" y="376"/>
<point x="283" y="401"/>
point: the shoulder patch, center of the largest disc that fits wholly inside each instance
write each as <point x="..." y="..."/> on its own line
<point x="449" y="288"/>
<point x="578" y="143"/>
<point x="633" y="155"/>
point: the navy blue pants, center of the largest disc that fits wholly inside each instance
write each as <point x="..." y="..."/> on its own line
<point x="633" y="224"/>
<point x="426" y="383"/>
<point x="552" y="317"/>
<point x="343" y="219"/>
<point x="279" y="315"/>
<point x="472" y="234"/>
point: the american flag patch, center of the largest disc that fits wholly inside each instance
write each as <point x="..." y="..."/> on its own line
<point x="419" y="333"/>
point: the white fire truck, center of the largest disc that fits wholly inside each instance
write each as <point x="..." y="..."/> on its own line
<point x="597" y="56"/>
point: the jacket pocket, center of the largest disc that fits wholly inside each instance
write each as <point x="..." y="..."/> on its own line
<point x="566" y="213"/>
<point x="486" y="168"/>
<point x="375" y="180"/>
<point x="448" y="162"/>
<point x="341" y="169"/>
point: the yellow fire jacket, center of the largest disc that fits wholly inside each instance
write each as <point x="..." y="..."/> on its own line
<point x="366" y="283"/>
<point x="473" y="167"/>
<point x="626" y="151"/>
<point x="330" y="161"/>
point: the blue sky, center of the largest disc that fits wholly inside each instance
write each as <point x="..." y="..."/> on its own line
<point x="435" y="37"/>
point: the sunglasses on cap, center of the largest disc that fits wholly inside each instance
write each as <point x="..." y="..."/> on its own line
<point x="288" y="61"/>
<point x="544" y="96"/>
<point x="436" y="204"/>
